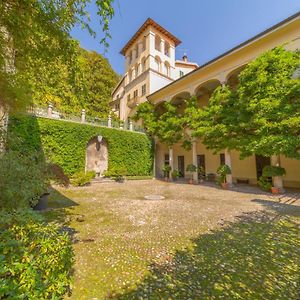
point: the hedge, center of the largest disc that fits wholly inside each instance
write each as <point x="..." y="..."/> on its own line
<point x="64" y="143"/>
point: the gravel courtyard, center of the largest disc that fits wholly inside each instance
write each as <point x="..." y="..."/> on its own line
<point x="130" y="248"/>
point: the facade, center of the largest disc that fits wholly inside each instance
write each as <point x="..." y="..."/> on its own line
<point x="150" y="64"/>
<point x="201" y="82"/>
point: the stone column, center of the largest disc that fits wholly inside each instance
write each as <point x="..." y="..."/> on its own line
<point x="228" y="163"/>
<point x="194" y="154"/>
<point x="130" y="125"/>
<point x="277" y="180"/>
<point x="109" y="121"/>
<point x="83" y="116"/>
<point x="171" y="161"/>
<point x="49" y="111"/>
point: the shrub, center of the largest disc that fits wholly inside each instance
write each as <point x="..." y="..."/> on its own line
<point x="272" y="171"/>
<point x="222" y="171"/>
<point x="64" y="143"/>
<point x="82" y="178"/>
<point x="166" y="169"/>
<point x="175" y="174"/>
<point x="35" y="257"/>
<point x="117" y="173"/>
<point x="22" y="179"/>
<point x="264" y="183"/>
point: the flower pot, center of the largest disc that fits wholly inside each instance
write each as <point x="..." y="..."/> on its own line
<point x="42" y="203"/>
<point x="225" y="185"/>
<point x="275" y="190"/>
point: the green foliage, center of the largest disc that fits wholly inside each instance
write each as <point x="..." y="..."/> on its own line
<point x="222" y="171"/>
<point x="22" y="179"/>
<point x="64" y="143"/>
<point x="118" y="173"/>
<point x="40" y="30"/>
<point x="166" y="170"/>
<point x="86" y="83"/>
<point x="264" y="183"/>
<point x="191" y="168"/>
<point x="35" y="257"/>
<point x="262" y="116"/>
<point x="175" y="174"/>
<point x="82" y="178"/>
<point x="272" y="171"/>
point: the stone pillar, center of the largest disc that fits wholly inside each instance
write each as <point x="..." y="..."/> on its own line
<point x="83" y="116"/>
<point x="194" y="154"/>
<point x="49" y="111"/>
<point x="171" y="161"/>
<point x="277" y="180"/>
<point x="109" y="121"/>
<point x="130" y="125"/>
<point x="228" y="163"/>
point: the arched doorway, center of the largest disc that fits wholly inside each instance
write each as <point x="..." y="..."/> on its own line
<point x="97" y="155"/>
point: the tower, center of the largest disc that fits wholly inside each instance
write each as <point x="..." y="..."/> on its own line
<point x="150" y="64"/>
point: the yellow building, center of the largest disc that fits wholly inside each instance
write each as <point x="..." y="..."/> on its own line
<point x="201" y="82"/>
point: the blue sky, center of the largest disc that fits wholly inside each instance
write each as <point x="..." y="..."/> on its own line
<point x="207" y="28"/>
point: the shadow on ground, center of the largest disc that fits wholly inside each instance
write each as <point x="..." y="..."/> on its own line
<point x="256" y="257"/>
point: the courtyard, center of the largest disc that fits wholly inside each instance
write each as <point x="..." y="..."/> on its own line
<point x="199" y="242"/>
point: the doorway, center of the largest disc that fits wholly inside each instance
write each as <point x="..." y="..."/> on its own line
<point x="181" y="166"/>
<point x="261" y="162"/>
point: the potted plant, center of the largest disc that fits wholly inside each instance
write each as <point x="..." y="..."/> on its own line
<point x="175" y="175"/>
<point x="166" y="170"/>
<point x="201" y="173"/>
<point x="273" y="172"/>
<point x="191" y="169"/>
<point x="222" y="171"/>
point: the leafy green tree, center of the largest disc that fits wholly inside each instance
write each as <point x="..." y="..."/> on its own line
<point x="262" y="116"/>
<point x="34" y="29"/>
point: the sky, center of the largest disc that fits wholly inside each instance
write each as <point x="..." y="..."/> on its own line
<point x="207" y="28"/>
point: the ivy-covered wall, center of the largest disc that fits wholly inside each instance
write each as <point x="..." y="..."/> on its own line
<point x="64" y="143"/>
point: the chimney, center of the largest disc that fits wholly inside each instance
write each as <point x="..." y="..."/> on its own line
<point x="184" y="57"/>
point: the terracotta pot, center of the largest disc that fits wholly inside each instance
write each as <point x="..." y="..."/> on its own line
<point x="275" y="190"/>
<point x="225" y="185"/>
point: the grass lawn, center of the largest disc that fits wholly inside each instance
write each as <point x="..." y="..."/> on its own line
<point x="200" y="242"/>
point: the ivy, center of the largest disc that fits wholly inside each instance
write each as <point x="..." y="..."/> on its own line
<point x="64" y="143"/>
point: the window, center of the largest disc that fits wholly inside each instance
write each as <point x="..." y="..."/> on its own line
<point x="167" y="49"/>
<point x="157" y="64"/>
<point x="222" y="159"/>
<point x="135" y="93"/>
<point x="143" y="89"/>
<point x="144" y="43"/>
<point x="181" y="73"/>
<point x="157" y="43"/>
<point x="167" y="159"/>
<point x="137" y="51"/>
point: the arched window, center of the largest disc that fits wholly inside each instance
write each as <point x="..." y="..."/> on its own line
<point x="157" y="43"/>
<point x="167" y="49"/>
<point x="167" y="69"/>
<point x="143" y="64"/>
<point x="157" y="64"/>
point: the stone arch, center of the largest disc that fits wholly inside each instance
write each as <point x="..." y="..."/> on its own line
<point x="232" y="79"/>
<point x="179" y="100"/>
<point x="204" y="91"/>
<point x="97" y="155"/>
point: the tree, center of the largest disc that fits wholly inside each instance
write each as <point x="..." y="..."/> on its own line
<point x="34" y="29"/>
<point x="262" y="116"/>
